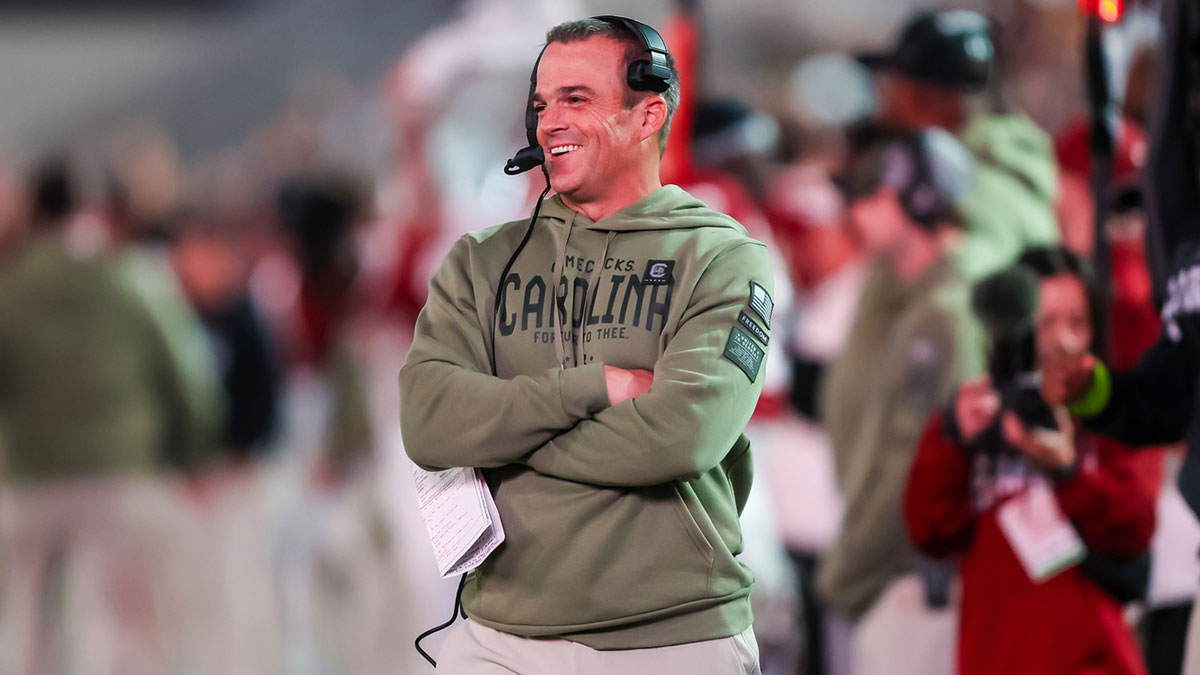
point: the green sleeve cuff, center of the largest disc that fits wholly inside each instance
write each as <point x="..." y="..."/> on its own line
<point x="1095" y="399"/>
<point x="584" y="390"/>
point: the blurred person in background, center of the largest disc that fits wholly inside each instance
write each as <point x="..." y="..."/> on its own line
<point x="806" y="211"/>
<point x="212" y="270"/>
<point x="938" y="74"/>
<point x="142" y="209"/>
<point x="334" y="566"/>
<point x="236" y="607"/>
<point x="913" y="341"/>
<point x="978" y="471"/>
<point x="1076" y="210"/>
<point x="1134" y="324"/>
<point x="94" y="402"/>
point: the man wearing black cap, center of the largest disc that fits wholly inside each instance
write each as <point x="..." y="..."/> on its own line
<point x="936" y="75"/>
<point x="913" y="341"/>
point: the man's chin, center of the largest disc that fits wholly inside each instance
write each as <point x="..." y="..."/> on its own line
<point x="563" y="186"/>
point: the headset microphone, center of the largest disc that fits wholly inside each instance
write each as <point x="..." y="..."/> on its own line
<point x="524" y="160"/>
<point x="530" y="156"/>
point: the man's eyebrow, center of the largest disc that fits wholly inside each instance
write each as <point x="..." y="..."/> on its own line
<point x="576" y="89"/>
<point x="563" y="91"/>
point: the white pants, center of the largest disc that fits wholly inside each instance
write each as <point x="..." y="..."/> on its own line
<point x="474" y="649"/>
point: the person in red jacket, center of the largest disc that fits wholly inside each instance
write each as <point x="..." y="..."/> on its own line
<point x="964" y="500"/>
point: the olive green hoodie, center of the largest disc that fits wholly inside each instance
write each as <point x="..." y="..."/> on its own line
<point x="1010" y="208"/>
<point x="621" y="522"/>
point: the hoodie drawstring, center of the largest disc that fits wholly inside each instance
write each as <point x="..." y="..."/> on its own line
<point x="594" y="286"/>
<point x="560" y="315"/>
<point x="568" y="305"/>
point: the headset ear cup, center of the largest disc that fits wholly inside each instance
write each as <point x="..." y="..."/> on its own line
<point x="636" y="76"/>
<point x="642" y="77"/>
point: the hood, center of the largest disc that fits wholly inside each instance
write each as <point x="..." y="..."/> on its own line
<point x="667" y="208"/>
<point x="1014" y="144"/>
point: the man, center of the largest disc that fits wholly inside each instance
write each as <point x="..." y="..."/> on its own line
<point x="93" y="400"/>
<point x="937" y="75"/>
<point x="913" y="341"/>
<point x="629" y="356"/>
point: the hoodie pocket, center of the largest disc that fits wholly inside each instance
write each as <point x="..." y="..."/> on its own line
<point x="691" y="526"/>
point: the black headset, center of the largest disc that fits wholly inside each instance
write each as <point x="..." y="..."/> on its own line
<point x="917" y="190"/>
<point x="650" y="74"/>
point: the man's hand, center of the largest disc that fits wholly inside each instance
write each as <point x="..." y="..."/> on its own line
<point x="975" y="408"/>
<point x="1066" y="377"/>
<point x="1051" y="448"/>
<point x="626" y="384"/>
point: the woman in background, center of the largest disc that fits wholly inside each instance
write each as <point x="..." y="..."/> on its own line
<point x="986" y="488"/>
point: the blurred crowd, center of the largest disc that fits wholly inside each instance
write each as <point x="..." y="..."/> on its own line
<point x="201" y="469"/>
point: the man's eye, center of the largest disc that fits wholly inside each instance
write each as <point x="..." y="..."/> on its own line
<point x="539" y="108"/>
<point x="575" y="99"/>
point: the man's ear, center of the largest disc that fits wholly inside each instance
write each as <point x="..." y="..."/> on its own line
<point x="654" y="116"/>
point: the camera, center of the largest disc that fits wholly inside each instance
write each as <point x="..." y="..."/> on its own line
<point x="1005" y="304"/>
<point x="1023" y="397"/>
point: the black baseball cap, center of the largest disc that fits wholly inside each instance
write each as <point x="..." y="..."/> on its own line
<point x="951" y="49"/>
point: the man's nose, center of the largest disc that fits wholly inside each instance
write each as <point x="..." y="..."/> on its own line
<point x="551" y="120"/>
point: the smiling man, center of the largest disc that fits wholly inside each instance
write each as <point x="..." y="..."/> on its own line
<point x="606" y="399"/>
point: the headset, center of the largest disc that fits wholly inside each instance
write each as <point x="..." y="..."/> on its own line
<point x="652" y="74"/>
<point x="906" y="164"/>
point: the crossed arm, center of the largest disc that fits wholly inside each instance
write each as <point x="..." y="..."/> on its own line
<point x="573" y="423"/>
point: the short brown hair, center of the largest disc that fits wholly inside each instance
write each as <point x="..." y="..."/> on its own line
<point x="582" y="29"/>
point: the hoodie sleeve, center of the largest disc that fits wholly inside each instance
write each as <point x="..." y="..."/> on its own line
<point x="1113" y="511"/>
<point x="1148" y="405"/>
<point x="453" y="412"/>
<point x="699" y="403"/>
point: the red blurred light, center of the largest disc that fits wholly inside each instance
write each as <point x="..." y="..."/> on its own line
<point x="1108" y="10"/>
<point x="1111" y="10"/>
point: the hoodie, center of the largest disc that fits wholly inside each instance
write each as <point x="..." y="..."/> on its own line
<point x="621" y="521"/>
<point x="1011" y="206"/>
<point x="92" y="381"/>
<point x="912" y="343"/>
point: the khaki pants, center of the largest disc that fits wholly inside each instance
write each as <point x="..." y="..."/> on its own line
<point x="82" y="559"/>
<point x="474" y="649"/>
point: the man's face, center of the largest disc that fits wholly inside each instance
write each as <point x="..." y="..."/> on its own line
<point x="878" y="221"/>
<point x="589" y="138"/>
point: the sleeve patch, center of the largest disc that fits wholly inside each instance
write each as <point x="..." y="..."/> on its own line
<point x="761" y="302"/>
<point x="755" y="329"/>
<point x="744" y="353"/>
